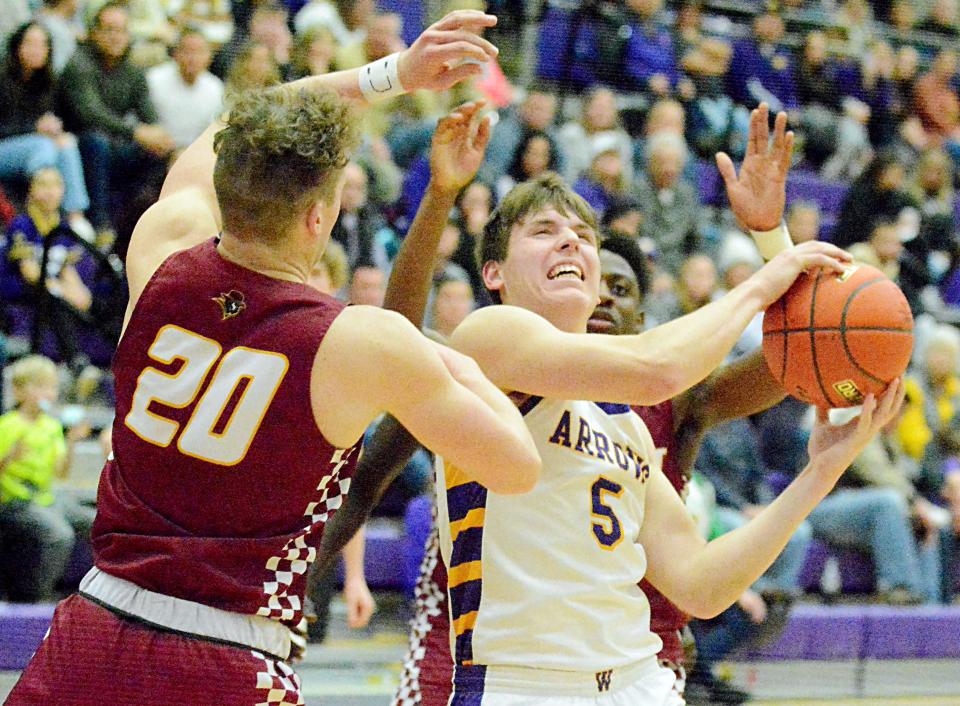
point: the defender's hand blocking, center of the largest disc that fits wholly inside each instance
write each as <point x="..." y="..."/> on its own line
<point x="447" y="52"/>
<point x="758" y="194"/>
<point x="779" y="274"/>
<point x="459" y="144"/>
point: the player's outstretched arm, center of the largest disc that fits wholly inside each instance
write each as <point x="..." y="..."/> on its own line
<point x="435" y="61"/>
<point x="384" y="456"/>
<point x="539" y="359"/>
<point x="456" y="152"/>
<point x="740" y="389"/>
<point x="356" y="594"/>
<point x="704" y="579"/>
<point x="375" y="361"/>
<point x="758" y="193"/>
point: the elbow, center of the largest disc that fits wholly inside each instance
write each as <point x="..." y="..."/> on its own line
<point x="706" y="609"/>
<point x="703" y="607"/>
<point x="521" y="479"/>
<point x="660" y="382"/>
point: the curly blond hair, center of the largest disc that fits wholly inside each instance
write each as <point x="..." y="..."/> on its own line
<point x="281" y="150"/>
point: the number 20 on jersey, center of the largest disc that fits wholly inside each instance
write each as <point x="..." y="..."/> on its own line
<point x="250" y="377"/>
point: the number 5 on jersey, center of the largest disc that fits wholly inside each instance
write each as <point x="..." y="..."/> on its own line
<point x="606" y="527"/>
<point x="248" y="377"/>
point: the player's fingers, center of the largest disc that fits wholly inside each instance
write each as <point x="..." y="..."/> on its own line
<point x="867" y="411"/>
<point x="823" y="415"/>
<point x="779" y="132"/>
<point x="727" y="170"/>
<point x="786" y="155"/>
<point x="753" y="133"/>
<point x="456" y="53"/>
<point x="819" y="246"/>
<point x="763" y="132"/>
<point x="482" y="137"/>
<point x="465" y="19"/>
<point x="463" y="35"/>
<point x="812" y="261"/>
<point x="890" y="400"/>
<point x="459" y="73"/>
<point x="447" y="122"/>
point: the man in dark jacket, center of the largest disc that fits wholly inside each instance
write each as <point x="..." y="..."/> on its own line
<point x="106" y="103"/>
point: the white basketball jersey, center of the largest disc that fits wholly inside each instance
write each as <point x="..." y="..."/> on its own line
<point x="548" y="579"/>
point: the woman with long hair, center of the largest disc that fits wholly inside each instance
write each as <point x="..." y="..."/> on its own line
<point x="878" y="192"/>
<point x="31" y="135"/>
<point x="537" y="153"/>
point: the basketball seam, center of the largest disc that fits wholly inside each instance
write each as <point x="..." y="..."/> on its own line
<point x="843" y="329"/>
<point x="786" y="347"/>
<point x="813" y="340"/>
<point x="836" y="329"/>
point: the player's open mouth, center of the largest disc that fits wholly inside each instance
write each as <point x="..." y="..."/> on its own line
<point x="565" y="270"/>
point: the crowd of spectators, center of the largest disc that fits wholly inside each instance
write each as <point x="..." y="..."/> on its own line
<point x="627" y="99"/>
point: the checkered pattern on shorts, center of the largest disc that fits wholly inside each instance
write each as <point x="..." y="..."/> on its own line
<point x="429" y="602"/>
<point x="279" y="681"/>
<point x="295" y="557"/>
<point x="680" y="685"/>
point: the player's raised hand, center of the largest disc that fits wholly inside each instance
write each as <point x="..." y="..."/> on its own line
<point x="834" y="448"/>
<point x="758" y="193"/>
<point x="447" y="52"/>
<point x="776" y="277"/>
<point x="459" y="144"/>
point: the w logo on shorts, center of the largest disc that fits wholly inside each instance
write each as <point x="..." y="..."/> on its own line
<point x="603" y="680"/>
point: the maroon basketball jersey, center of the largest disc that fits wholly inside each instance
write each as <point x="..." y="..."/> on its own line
<point x="665" y="618"/>
<point x="220" y="482"/>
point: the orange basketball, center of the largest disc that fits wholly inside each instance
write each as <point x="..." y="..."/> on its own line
<point x="832" y="339"/>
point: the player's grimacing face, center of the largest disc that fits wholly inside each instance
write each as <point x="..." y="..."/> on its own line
<point x="618" y="312"/>
<point x="552" y="260"/>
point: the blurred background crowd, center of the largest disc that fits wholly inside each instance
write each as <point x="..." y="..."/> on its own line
<point x="627" y="99"/>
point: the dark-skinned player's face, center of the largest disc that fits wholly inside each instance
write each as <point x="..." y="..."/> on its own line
<point x="619" y="311"/>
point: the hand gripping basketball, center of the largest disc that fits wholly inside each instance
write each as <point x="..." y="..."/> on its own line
<point x="777" y="276"/>
<point x="833" y="339"/>
<point x="836" y="447"/>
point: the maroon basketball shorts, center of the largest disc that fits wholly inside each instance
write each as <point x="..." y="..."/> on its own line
<point x="427" y="677"/>
<point x="94" y="657"/>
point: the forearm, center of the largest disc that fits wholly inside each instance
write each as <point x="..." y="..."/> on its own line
<point x="723" y="569"/>
<point x="686" y="350"/>
<point x="344" y="83"/>
<point x="385" y="456"/>
<point x="410" y="280"/>
<point x="741" y="389"/>
<point x="353" y="554"/>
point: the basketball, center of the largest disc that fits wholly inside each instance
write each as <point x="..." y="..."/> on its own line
<point x="831" y="339"/>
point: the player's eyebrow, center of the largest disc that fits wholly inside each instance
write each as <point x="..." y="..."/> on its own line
<point x="544" y="221"/>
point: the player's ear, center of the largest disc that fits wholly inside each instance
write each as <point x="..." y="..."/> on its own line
<point x="314" y="217"/>
<point x="492" y="278"/>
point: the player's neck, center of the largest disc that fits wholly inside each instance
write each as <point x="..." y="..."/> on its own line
<point x="270" y="259"/>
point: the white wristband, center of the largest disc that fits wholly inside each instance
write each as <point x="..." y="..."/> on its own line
<point x="380" y="79"/>
<point x="772" y="242"/>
